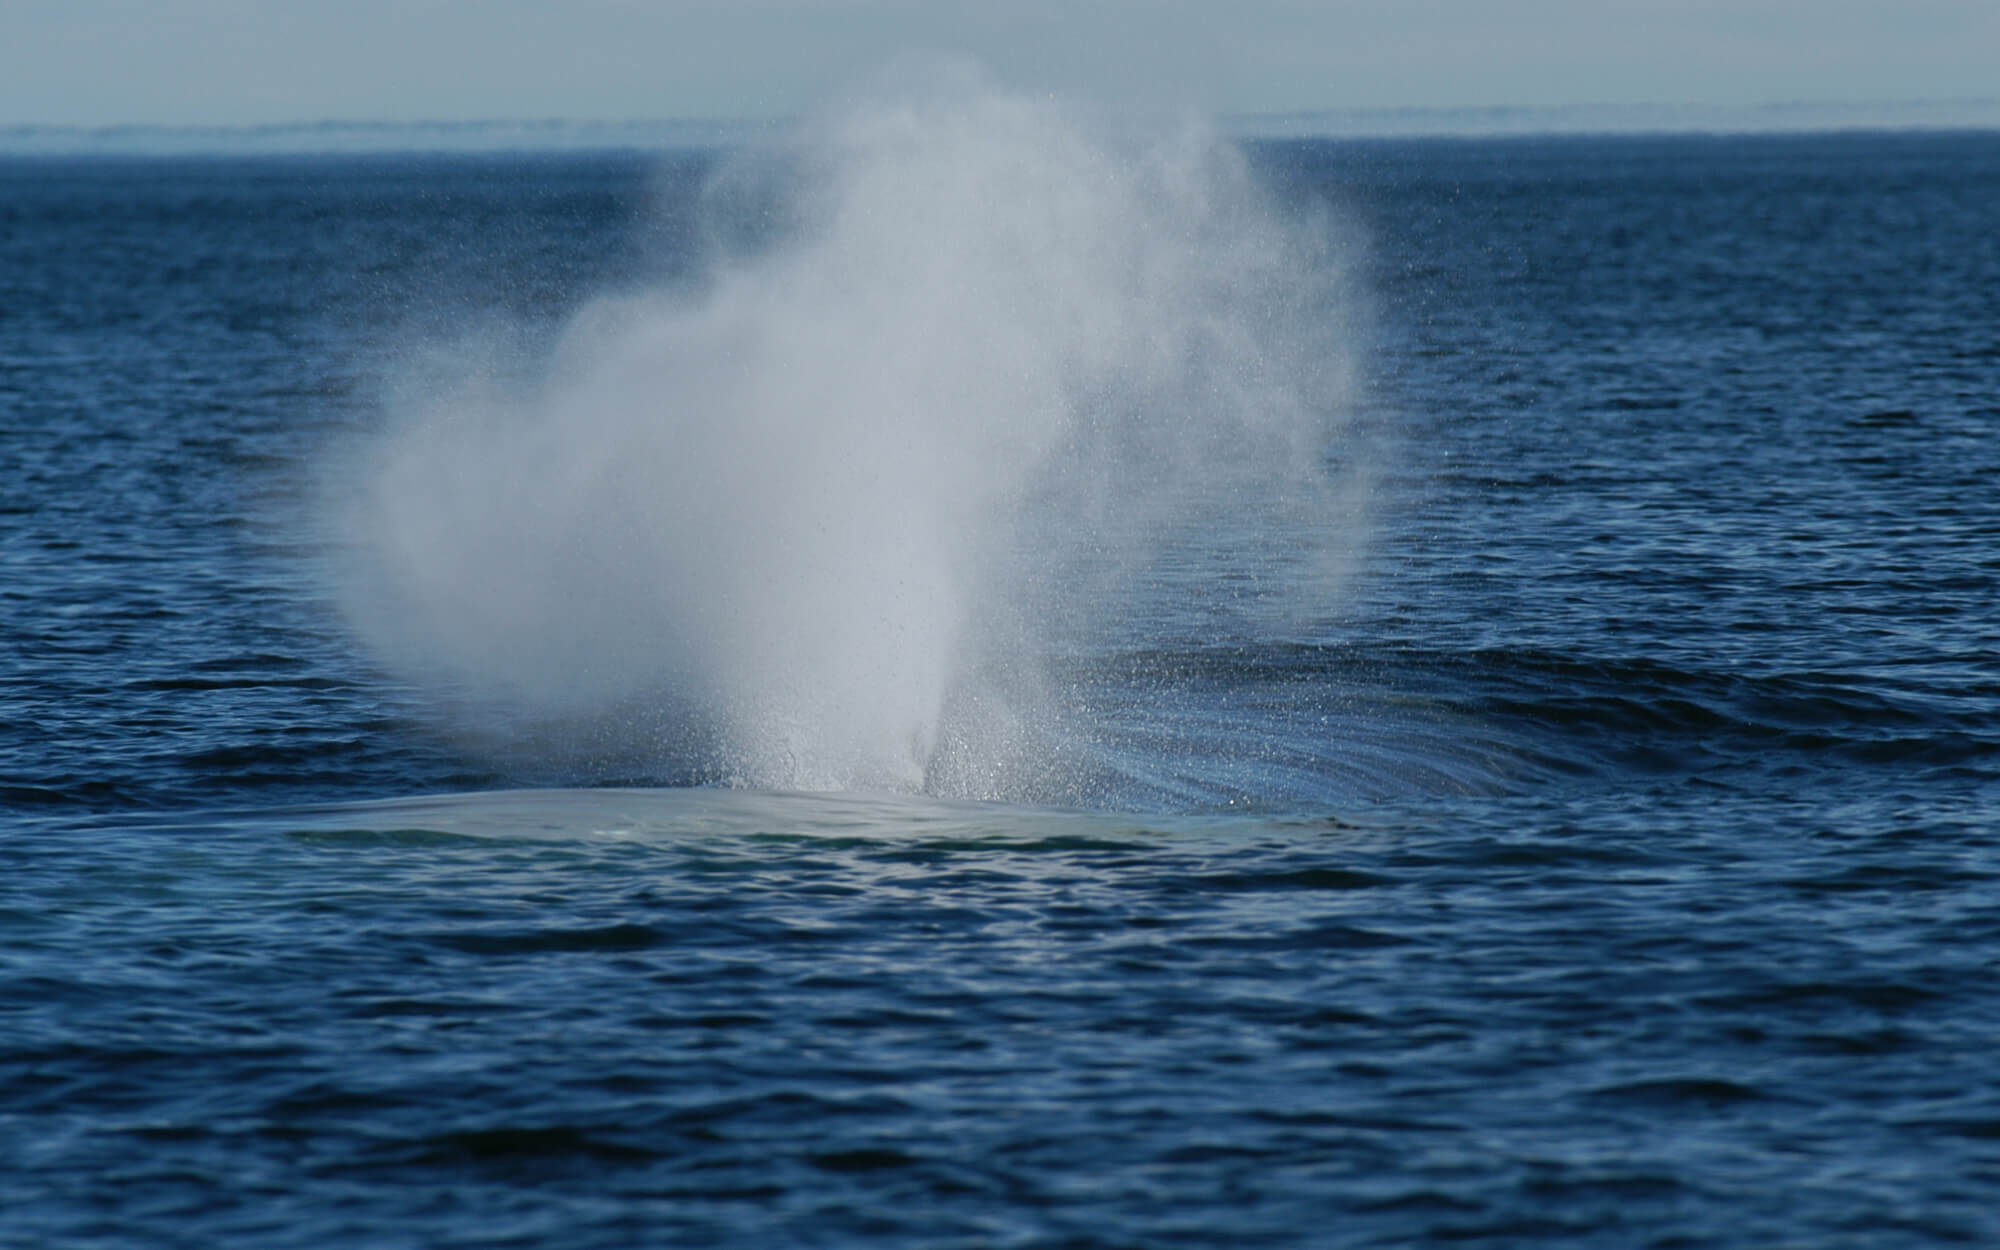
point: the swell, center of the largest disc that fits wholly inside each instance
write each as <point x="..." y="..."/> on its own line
<point x="1298" y="725"/>
<point x="1618" y="714"/>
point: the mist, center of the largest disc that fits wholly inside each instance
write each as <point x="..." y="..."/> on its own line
<point x="961" y="366"/>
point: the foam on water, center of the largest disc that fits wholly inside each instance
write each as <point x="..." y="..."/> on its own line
<point x="959" y="362"/>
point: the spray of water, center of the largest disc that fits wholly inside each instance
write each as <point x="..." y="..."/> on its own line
<point x="960" y="362"/>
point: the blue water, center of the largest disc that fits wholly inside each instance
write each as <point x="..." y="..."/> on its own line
<point x="1614" y="861"/>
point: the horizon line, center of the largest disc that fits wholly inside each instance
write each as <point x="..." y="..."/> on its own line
<point x="471" y="135"/>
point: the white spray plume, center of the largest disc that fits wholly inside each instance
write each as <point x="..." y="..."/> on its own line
<point x="773" y="528"/>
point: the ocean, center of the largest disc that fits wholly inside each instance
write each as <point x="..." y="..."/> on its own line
<point x="983" y="685"/>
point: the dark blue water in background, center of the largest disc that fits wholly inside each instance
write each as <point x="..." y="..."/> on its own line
<point x="1616" y="864"/>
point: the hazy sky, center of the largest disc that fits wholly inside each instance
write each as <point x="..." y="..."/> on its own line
<point x="227" y="62"/>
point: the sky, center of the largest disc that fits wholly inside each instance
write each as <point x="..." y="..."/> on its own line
<point x="97" y="63"/>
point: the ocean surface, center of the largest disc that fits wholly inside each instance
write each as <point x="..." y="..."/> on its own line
<point x="1609" y="856"/>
